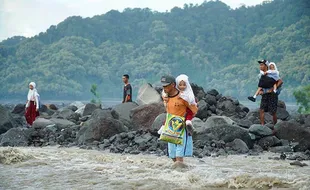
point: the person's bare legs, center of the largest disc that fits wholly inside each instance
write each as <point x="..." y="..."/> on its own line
<point x="274" y="118"/>
<point x="179" y="159"/>
<point x="253" y="98"/>
<point x="275" y="87"/>
<point x="257" y="92"/>
<point x="262" y="117"/>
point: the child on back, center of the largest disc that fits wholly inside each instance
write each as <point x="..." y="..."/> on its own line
<point x="187" y="94"/>
<point x="267" y="80"/>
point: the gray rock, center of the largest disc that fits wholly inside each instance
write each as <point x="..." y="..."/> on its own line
<point x="159" y="121"/>
<point x="90" y="108"/>
<point x="253" y="116"/>
<point x="101" y="125"/>
<point x="124" y="109"/>
<point x="62" y="123"/>
<point x="298" y="163"/>
<point x="74" y="117"/>
<point x="240" y="146"/>
<point x="72" y="107"/>
<point x="227" y="106"/>
<point x="280" y="149"/>
<point x="77" y="104"/>
<point x="197" y="124"/>
<point x="222" y="128"/>
<point x="16" y="137"/>
<point x="267" y="142"/>
<point x="40" y="123"/>
<point x="143" y="139"/>
<point x="213" y="92"/>
<point x="281" y="104"/>
<point x="293" y="132"/>
<point x="246" y="123"/>
<point x="143" y="116"/>
<point x="260" y="130"/>
<point x="52" y="128"/>
<point x="282" y="114"/>
<point x="80" y="110"/>
<point x="6" y="120"/>
<point x="147" y="95"/>
<point x="202" y="110"/>
<point x="63" y="113"/>
<point x="215" y="121"/>
<point x="19" y="109"/>
<point x="211" y="100"/>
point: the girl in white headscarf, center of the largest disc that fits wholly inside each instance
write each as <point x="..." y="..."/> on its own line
<point x="32" y="105"/>
<point x="187" y="94"/>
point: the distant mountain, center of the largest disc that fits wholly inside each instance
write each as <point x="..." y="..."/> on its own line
<point x="218" y="47"/>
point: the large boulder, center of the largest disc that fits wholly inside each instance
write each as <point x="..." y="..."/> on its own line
<point x="158" y="122"/>
<point x="16" y="137"/>
<point x="90" y="108"/>
<point x="269" y="141"/>
<point x="294" y="132"/>
<point x="227" y="106"/>
<point x="144" y="116"/>
<point x="19" y="109"/>
<point x="211" y="100"/>
<point x="6" y="120"/>
<point x="101" y="125"/>
<point x="260" y="130"/>
<point x="253" y="116"/>
<point x="216" y="121"/>
<point x="239" y="146"/>
<point x="198" y="91"/>
<point x="40" y="123"/>
<point x="62" y="123"/>
<point x="80" y="110"/>
<point x="198" y="124"/>
<point x="147" y="95"/>
<point x="202" y="110"/>
<point x="281" y="104"/>
<point x="77" y="104"/>
<point x="124" y="109"/>
<point x="63" y="113"/>
<point x="213" y="92"/>
<point x="282" y="114"/>
<point x="223" y="128"/>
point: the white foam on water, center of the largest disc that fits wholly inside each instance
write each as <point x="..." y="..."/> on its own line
<point x="73" y="168"/>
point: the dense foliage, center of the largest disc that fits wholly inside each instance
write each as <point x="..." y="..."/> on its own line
<point x="303" y="99"/>
<point x="218" y="47"/>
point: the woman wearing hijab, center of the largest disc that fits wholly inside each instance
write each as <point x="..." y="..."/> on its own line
<point x="32" y="105"/>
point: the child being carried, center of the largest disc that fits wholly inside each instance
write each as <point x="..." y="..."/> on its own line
<point x="267" y="80"/>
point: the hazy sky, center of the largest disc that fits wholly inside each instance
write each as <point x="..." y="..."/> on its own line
<point x="30" y="17"/>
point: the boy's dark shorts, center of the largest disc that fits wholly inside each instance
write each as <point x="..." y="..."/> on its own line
<point x="269" y="102"/>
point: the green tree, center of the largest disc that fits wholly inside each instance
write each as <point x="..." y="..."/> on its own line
<point x="303" y="99"/>
<point x="96" y="96"/>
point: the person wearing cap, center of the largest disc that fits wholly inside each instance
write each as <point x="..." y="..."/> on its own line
<point x="177" y="106"/>
<point x="269" y="101"/>
<point x="267" y="79"/>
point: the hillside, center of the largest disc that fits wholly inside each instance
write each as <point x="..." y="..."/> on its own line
<point x="218" y="47"/>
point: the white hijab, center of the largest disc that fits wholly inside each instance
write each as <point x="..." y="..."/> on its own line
<point x="275" y="66"/>
<point x="32" y="94"/>
<point x="187" y="94"/>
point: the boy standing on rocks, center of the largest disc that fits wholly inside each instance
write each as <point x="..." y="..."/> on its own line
<point x="176" y="106"/>
<point x="127" y="94"/>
